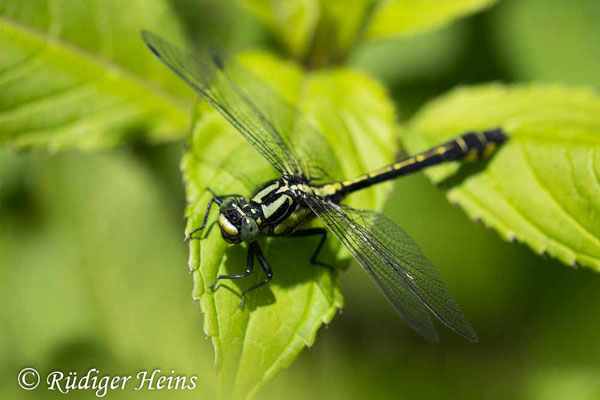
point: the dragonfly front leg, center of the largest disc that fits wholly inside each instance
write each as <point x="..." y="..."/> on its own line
<point x="249" y="268"/>
<point x="253" y="249"/>
<point x="265" y="266"/>
<point x="218" y="199"/>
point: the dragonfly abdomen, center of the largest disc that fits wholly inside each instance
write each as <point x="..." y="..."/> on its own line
<point x="468" y="147"/>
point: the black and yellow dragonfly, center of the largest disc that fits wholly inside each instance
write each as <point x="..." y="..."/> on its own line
<point x="279" y="207"/>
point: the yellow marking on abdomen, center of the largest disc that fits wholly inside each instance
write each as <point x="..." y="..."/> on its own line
<point x="471" y="156"/>
<point x="330" y="189"/>
<point x="463" y="145"/>
<point x="405" y="163"/>
<point x="355" y="180"/>
<point x="489" y="149"/>
<point x="482" y="139"/>
<point x="380" y="172"/>
<point x="441" y="150"/>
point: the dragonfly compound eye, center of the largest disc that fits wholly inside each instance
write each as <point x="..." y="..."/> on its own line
<point x="228" y="205"/>
<point x="249" y="229"/>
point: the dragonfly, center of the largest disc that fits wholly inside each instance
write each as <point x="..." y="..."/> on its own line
<point x="282" y="206"/>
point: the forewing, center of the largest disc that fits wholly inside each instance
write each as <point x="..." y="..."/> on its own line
<point x="252" y="106"/>
<point x="395" y="262"/>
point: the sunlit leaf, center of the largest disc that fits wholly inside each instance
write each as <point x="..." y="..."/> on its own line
<point x="254" y="343"/>
<point x="407" y="17"/>
<point x="542" y="187"/>
<point x="72" y="75"/>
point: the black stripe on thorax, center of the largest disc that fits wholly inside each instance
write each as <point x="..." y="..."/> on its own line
<point x="274" y="202"/>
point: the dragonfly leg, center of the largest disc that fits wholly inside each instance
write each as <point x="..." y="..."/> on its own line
<point x="265" y="266"/>
<point x="249" y="268"/>
<point x="314" y="232"/>
<point x="218" y="199"/>
<point x="188" y="236"/>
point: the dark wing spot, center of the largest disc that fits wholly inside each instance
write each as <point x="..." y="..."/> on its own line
<point x="216" y="59"/>
<point x="147" y="37"/>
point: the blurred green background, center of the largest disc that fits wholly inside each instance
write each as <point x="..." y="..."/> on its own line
<point x="94" y="271"/>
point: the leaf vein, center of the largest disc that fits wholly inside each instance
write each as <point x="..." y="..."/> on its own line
<point x="106" y="64"/>
<point x="73" y="122"/>
<point x="548" y="191"/>
<point x="301" y="320"/>
<point x="534" y="225"/>
<point x="24" y="108"/>
<point x="16" y="70"/>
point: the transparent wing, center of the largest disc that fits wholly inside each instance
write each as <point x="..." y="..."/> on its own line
<point x="397" y="265"/>
<point x="252" y="106"/>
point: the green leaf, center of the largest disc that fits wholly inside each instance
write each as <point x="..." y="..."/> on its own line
<point x="422" y="58"/>
<point x="408" y="17"/>
<point x="532" y="47"/>
<point x="313" y="28"/>
<point x="342" y="26"/>
<point x="325" y="32"/>
<point x="254" y="343"/>
<point x="78" y="76"/>
<point x="542" y="187"/>
<point x="293" y="21"/>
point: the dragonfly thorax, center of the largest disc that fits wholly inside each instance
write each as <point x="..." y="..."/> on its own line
<point x="277" y="207"/>
<point x="273" y="210"/>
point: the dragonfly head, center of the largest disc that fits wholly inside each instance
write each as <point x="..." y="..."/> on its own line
<point x="236" y="225"/>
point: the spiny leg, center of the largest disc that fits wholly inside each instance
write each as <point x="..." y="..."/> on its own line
<point x="265" y="266"/>
<point x="220" y="197"/>
<point x="210" y="203"/>
<point x="216" y="199"/>
<point x="249" y="268"/>
<point x="314" y="232"/>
